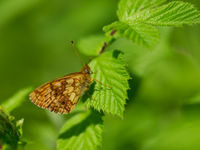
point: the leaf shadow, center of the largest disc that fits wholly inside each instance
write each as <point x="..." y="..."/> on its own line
<point x="134" y="85"/>
<point x="116" y="53"/>
<point x="94" y="118"/>
<point x="89" y="93"/>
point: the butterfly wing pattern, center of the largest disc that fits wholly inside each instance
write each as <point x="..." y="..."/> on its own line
<point x="62" y="95"/>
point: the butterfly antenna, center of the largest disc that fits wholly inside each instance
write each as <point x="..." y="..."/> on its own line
<point x="77" y="54"/>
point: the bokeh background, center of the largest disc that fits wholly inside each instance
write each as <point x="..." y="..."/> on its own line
<point x="163" y="110"/>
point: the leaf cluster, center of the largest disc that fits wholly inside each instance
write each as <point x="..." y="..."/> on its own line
<point x="137" y="21"/>
<point x="11" y="133"/>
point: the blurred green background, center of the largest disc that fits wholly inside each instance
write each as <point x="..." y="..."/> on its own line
<point x="163" y="112"/>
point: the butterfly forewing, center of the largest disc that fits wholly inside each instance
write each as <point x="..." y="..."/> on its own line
<point x="61" y="95"/>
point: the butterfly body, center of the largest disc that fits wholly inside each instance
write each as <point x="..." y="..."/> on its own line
<point x="62" y="95"/>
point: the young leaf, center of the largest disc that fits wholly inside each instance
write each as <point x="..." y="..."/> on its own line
<point x="110" y="96"/>
<point x="10" y="130"/>
<point x="16" y="100"/>
<point x="81" y="132"/>
<point x="174" y="13"/>
<point x="142" y="34"/>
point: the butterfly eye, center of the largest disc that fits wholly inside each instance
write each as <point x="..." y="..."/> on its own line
<point x="86" y="71"/>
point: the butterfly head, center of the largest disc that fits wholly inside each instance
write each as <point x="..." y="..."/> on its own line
<point x="86" y="69"/>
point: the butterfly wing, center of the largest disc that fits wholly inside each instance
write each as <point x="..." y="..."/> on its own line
<point x="61" y="95"/>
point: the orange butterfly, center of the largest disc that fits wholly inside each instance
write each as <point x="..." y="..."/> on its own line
<point x="62" y="95"/>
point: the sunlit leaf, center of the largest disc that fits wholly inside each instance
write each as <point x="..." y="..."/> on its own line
<point x="172" y="14"/>
<point x="109" y="96"/>
<point x="128" y="8"/>
<point x="137" y="18"/>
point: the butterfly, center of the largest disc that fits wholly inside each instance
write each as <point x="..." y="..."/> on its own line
<point x="61" y="95"/>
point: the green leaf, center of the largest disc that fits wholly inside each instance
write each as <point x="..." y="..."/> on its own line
<point x="129" y="8"/>
<point x="137" y="18"/>
<point x="109" y="96"/>
<point x="10" y="130"/>
<point x="81" y="132"/>
<point x="175" y="13"/>
<point x="142" y="34"/>
<point x="16" y="100"/>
